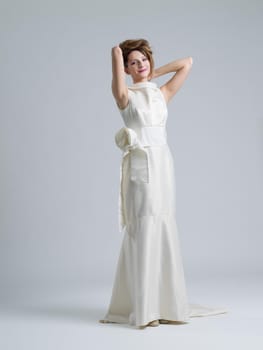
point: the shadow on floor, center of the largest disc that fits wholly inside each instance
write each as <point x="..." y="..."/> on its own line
<point x="85" y="314"/>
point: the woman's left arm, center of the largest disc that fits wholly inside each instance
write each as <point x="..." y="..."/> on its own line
<point x="181" y="67"/>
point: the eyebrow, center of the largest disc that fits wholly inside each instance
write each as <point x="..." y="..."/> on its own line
<point x="133" y="59"/>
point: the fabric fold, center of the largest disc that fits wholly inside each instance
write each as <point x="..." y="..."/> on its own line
<point x="127" y="140"/>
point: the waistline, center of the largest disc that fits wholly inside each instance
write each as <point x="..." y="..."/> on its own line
<point x="153" y="136"/>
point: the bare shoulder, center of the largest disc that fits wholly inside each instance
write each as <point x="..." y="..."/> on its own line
<point x="121" y="96"/>
<point x="121" y="106"/>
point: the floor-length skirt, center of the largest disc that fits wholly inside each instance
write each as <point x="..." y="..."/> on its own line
<point x="149" y="280"/>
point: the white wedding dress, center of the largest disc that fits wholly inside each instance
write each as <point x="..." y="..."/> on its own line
<point x="149" y="280"/>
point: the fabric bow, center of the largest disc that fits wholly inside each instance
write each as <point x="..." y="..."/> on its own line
<point x="127" y="140"/>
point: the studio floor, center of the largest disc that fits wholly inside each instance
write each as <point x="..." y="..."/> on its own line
<point x="55" y="319"/>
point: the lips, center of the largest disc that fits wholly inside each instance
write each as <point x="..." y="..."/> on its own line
<point x="142" y="70"/>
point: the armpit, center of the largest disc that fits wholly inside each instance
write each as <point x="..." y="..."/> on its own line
<point x="122" y="109"/>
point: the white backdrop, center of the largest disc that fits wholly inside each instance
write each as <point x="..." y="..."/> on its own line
<point x="59" y="178"/>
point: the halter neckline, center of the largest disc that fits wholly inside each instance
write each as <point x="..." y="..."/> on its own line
<point x="144" y="84"/>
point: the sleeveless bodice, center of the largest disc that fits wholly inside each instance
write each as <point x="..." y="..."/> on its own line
<point x="146" y="107"/>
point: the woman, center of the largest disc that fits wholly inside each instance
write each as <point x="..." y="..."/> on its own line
<point x="149" y="286"/>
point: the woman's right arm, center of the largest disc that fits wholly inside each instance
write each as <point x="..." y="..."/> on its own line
<point x="118" y="85"/>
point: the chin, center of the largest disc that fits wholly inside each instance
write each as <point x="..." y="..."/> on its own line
<point x="144" y="74"/>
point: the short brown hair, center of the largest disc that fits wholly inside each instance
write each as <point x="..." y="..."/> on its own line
<point x="142" y="45"/>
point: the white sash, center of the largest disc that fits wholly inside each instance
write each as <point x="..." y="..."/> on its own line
<point x="135" y="145"/>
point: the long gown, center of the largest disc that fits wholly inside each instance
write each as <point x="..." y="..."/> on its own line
<point x="149" y="280"/>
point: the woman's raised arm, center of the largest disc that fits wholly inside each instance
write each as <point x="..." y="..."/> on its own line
<point x="119" y="87"/>
<point x="181" y="67"/>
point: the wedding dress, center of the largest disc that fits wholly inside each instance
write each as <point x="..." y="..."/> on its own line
<point x="149" y="280"/>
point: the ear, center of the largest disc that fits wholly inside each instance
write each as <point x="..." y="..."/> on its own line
<point x="126" y="69"/>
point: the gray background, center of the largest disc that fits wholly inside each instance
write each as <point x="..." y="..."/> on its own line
<point x="59" y="162"/>
<point x="59" y="178"/>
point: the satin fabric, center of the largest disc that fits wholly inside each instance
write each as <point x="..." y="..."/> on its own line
<point x="149" y="281"/>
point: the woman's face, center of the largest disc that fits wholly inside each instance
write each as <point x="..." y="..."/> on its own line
<point x="138" y="66"/>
